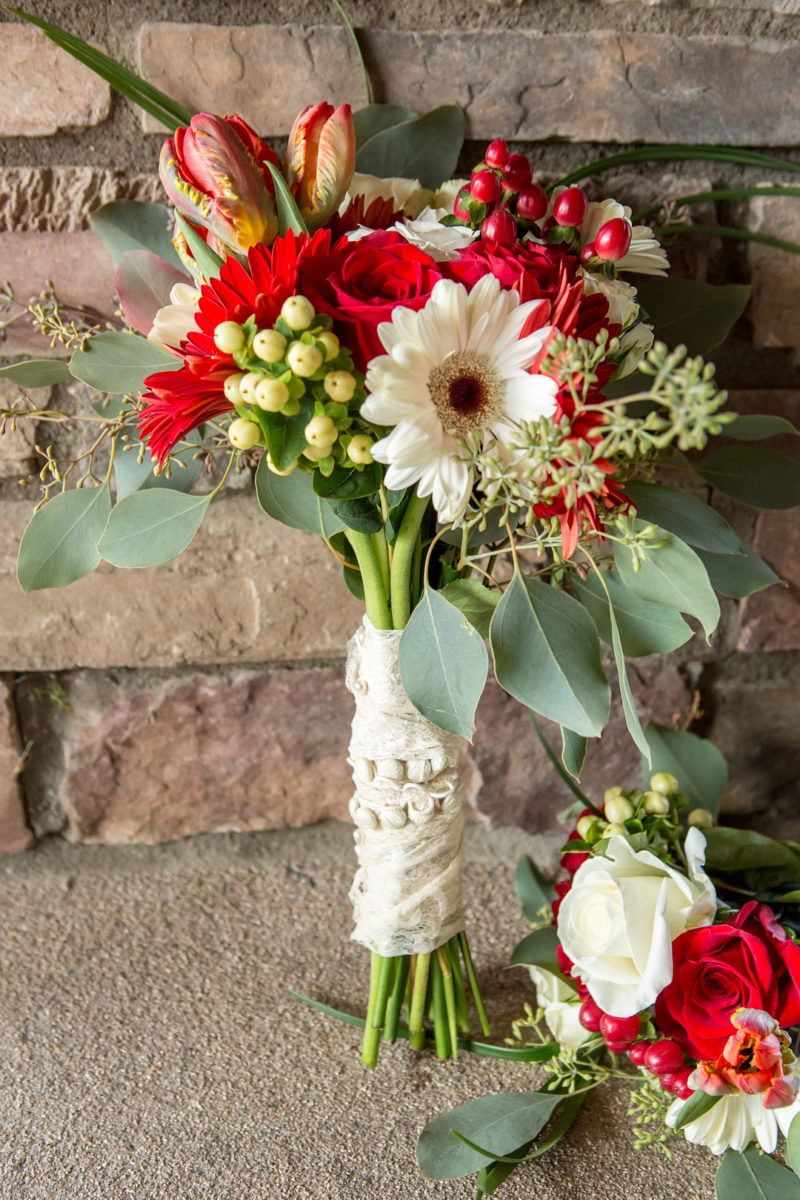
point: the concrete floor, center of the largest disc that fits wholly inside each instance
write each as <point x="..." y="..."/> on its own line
<point x="149" y="1049"/>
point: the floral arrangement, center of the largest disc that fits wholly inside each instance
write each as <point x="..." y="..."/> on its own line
<point x="459" y="386"/>
<point x="666" y="957"/>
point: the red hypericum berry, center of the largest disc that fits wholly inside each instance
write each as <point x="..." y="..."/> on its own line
<point x="613" y="240"/>
<point x="622" y="1031"/>
<point x="499" y="227"/>
<point x="667" y="1080"/>
<point x="485" y="186"/>
<point x="496" y="153"/>
<point x="587" y="253"/>
<point x="617" y="1047"/>
<point x="532" y="203"/>
<point x="663" y="1057"/>
<point x="637" y="1052"/>
<point x="460" y="208"/>
<point x="680" y="1085"/>
<point x="590" y="1014"/>
<point x="570" y="207"/>
<point x="517" y="172"/>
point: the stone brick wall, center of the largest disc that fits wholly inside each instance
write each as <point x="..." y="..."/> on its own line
<point x="207" y="694"/>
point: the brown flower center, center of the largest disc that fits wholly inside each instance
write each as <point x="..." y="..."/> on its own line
<point x="467" y="392"/>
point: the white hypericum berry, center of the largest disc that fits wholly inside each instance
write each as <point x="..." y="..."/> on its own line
<point x="270" y="345"/>
<point x="316" y="453"/>
<point x="664" y="782"/>
<point x="280" y="470"/>
<point x="232" y="387"/>
<point x="655" y="804"/>
<point x="248" y="384"/>
<point x="331" y="344"/>
<point x="700" y="818"/>
<point x="303" y="360"/>
<point x="229" y="337"/>
<point x="340" y="386"/>
<point x="243" y="434"/>
<point x="298" y="313"/>
<point x="271" y="394"/>
<point x="360" y="449"/>
<point x="613" y="828"/>
<point x="321" y="431"/>
<point x="618" y="809"/>
<point x="584" y="825"/>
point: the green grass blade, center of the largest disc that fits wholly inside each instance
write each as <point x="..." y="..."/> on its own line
<point x="728" y="231"/>
<point x="157" y="103"/>
<point x="359" y="52"/>
<point x="565" y="776"/>
<point x="732" y="193"/>
<point x="746" y="158"/>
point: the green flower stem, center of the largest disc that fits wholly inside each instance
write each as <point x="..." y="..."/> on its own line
<point x="473" y="983"/>
<point x="381" y="977"/>
<point x="403" y="559"/>
<point x="396" y="999"/>
<point x="382" y="552"/>
<point x="416" y="1017"/>
<point x="443" y="963"/>
<point x="733" y="193"/>
<point x="462" y="1010"/>
<point x="440" y="1023"/>
<point x="747" y="158"/>
<point x="375" y="597"/>
<point x="728" y="231"/>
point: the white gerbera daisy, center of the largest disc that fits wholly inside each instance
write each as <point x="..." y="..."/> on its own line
<point x="646" y="255"/>
<point x="735" y="1121"/>
<point x="457" y="367"/>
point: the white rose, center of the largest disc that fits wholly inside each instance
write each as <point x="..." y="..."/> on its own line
<point x="618" y="920"/>
<point x="621" y="296"/>
<point x="734" y="1122"/>
<point x="561" y="1007"/>
<point x="441" y="242"/>
<point x="407" y="195"/>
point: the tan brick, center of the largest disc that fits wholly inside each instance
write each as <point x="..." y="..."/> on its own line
<point x="595" y="86"/>
<point x="14" y="831"/>
<point x="775" y="300"/>
<point x="249" y="590"/>
<point x="61" y="199"/>
<point x="771" y="619"/>
<point x="16" y="444"/>
<point x="78" y="265"/>
<point x="43" y="89"/>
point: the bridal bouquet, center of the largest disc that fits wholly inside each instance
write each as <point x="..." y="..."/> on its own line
<point x="667" y="959"/>
<point x="456" y="384"/>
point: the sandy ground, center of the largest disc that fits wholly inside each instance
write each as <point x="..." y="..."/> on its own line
<point x="149" y="1049"/>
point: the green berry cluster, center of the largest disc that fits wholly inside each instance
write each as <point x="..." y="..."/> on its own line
<point x="298" y="371"/>
<point x="650" y="818"/>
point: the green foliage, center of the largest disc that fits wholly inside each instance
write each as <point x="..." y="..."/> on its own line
<point x="632" y="721"/>
<point x="756" y="426"/>
<point x="289" y="218"/>
<point x="538" y="949"/>
<point x="475" y="601"/>
<point x="547" y="655"/>
<point x="443" y="664"/>
<point x="208" y="261"/>
<point x="534" y="892"/>
<point x="424" y="148"/>
<point x="697" y="764"/>
<point x="738" y="575"/>
<point x="125" y="225"/>
<point x="573" y="752"/>
<point x="753" y="474"/>
<point x="151" y="527"/>
<point x="502" y="1123"/>
<point x="130" y="475"/>
<point x="645" y="626"/>
<point x="671" y="574"/>
<point x="375" y="118"/>
<point x="291" y="499"/>
<point x="696" y="1106"/>
<point x="348" y="483"/>
<point x="60" y="543"/>
<point x="285" y="436"/>
<point x="119" y="363"/>
<point x="687" y="312"/>
<point x="751" y="1175"/>
<point x="684" y="515"/>
<point x="144" y="282"/>
<point x="37" y="372"/>
<point x="733" y="850"/>
<point x="793" y="1146"/>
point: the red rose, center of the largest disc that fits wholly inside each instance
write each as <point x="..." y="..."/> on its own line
<point x="747" y="963"/>
<point x="375" y="275"/>
<point x="526" y="267"/>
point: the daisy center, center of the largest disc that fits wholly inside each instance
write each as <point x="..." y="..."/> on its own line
<point x="467" y="392"/>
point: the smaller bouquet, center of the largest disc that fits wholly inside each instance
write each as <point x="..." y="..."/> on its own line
<point x="666" y="958"/>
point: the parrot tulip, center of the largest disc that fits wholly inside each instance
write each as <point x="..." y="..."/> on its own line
<point x="321" y="160"/>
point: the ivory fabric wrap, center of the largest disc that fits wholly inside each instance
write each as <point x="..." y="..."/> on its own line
<point x="406" y="894"/>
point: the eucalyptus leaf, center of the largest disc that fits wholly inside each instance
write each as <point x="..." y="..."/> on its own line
<point x="756" y="475"/>
<point x="60" y="542"/>
<point x="685" y="515"/>
<point x="573" y="752"/>
<point x="547" y="655"/>
<point x="751" y="1175"/>
<point x="686" y="312"/>
<point x="37" y="372"/>
<point x="475" y="601"/>
<point x="732" y="850"/>
<point x="144" y="282"/>
<point x="375" y="118"/>
<point x="672" y="574"/>
<point x="502" y="1123"/>
<point x="291" y="500"/>
<point x="645" y="626"/>
<point x="697" y="764"/>
<point x="632" y="721"/>
<point x="443" y="664"/>
<point x="534" y="892"/>
<point x="152" y="527"/>
<point x="425" y="148"/>
<point x="753" y="427"/>
<point x="130" y="475"/>
<point x="538" y="949"/>
<point x="208" y="261"/>
<point x="738" y="575"/>
<point x="696" y="1106"/>
<point x="119" y="363"/>
<point x="125" y="225"/>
